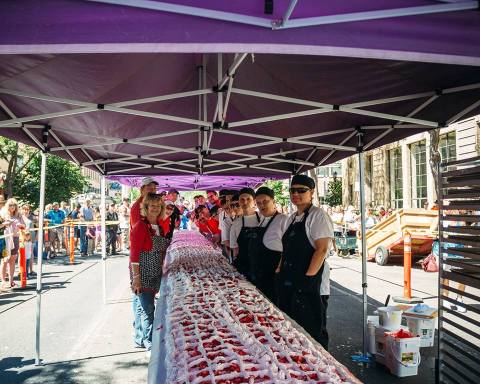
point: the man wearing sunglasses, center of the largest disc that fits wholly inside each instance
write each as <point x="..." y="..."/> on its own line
<point x="243" y="230"/>
<point x="304" y="273"/>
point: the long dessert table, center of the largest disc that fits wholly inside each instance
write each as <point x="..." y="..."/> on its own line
<point x="213" y="326"/>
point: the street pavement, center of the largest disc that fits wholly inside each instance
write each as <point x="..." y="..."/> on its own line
<point x="82" y="340"/>
<point x="85" y="341"/>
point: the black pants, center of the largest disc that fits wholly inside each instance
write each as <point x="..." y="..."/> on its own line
<point x="308" y="309"/>
<point x="111" y="241"/>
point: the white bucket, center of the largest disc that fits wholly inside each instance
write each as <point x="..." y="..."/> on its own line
<point x="390" y="317"/>
<point x="423" y="328"/>
<point x="372" y="323"/>
<point x="403" y="356"/>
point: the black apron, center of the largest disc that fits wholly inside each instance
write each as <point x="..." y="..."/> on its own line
<point x="298" y="294"/>
<point x="243" y="241"/>
<point x="263" y="262"/>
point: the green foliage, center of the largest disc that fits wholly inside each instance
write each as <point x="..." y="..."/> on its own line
<point x="17" y="157"/>
<point x="134" y="194"/>
<point x="63" y="181"/>
<point x="281" y="194"/>
<point x="334" y="193"/>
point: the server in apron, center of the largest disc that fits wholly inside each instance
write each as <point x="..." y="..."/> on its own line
<point x="304" y="274"/>
<point x="243" y="230"/>
<point x="266" y="246"/>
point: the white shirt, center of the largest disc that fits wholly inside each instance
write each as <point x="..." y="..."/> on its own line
<point x="250" y="221"/>
<point x="156" y="229"/>
<point x="28" y="250"/>
<point x="225" y="223"/>
<point x="273" y="236"/>
<point x="318" y="226"/>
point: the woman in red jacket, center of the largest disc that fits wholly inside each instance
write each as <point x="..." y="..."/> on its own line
<point x="147" y="251"/>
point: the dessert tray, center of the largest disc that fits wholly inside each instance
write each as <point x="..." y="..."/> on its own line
<point x="220" y="329"/>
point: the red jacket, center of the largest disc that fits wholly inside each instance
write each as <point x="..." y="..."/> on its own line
<point x="210" y="227"/>
<point x="141" y="239"/>
<point x="135" y="215"/>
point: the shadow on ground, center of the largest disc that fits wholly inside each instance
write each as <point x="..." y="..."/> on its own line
<point x="15" y="370"/>
<point x="345" y="326"/>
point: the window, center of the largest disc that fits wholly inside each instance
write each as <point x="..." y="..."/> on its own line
<point x="419" y="174"/>
<point x="396" y="178"/>
<point x="447" y="147"/>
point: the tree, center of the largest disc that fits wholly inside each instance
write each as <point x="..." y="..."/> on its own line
<point x="17" y="157"/>
<point x="334" y="193"/>
<point x="63" y="180"/>
<point x="281" y="196"/>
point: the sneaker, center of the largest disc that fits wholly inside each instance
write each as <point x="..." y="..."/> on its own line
<point x="138" y="346"/>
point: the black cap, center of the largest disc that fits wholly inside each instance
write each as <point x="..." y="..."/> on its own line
<point x="303" y="180"/>
<point x="265" y="191"/>
<point x="248" y="191"/>
<point x="224" y="192"/>
<point x="235" y="197"/>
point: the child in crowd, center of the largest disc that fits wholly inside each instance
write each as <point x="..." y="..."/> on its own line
<point x="27" y="242"/>
<point x="91" y="238"/>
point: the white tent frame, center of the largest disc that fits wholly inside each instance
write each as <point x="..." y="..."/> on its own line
<point x="286" y="22"/>
<point x="204" y="130"/>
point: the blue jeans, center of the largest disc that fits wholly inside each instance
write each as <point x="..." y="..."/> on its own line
<point x="83" y="240"/>
<point x="143" y="310"/>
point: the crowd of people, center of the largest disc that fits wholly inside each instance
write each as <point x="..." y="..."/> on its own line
<point x="284" y="255"/>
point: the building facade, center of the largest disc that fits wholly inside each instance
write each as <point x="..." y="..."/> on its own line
<point x="398" y="175"/>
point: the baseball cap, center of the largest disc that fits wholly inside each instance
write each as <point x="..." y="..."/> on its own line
<point x="147" y="180"/>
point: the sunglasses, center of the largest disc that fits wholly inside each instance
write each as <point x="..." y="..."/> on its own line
<point x="299" y="190"/>
<point x="235" y="205"/>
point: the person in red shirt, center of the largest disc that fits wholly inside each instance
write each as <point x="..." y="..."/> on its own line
<point x="147" y="250"/>
<point x="148" y="185"/>
<point x="207" y="225"/>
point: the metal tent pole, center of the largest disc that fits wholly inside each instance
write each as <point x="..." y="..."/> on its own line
<point x="41" y="208"/>
<point x="361" y="168"/>
<point x="104" y="238"/>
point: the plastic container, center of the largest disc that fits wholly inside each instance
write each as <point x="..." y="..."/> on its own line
<point x="402" y="355"/>
<point x="423" y="328"/>
<point x="372" y="323"/>
<point x="381" y="343"/>
<point x="390" y="317"/>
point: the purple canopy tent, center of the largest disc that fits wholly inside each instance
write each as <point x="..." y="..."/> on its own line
<point x="144" y="87"/>
<point x="195" y="182"/>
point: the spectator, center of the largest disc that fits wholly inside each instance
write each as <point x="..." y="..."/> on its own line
<point x="112" y="229"/>
<point x="55" y="217"/>
<point x="98" y="229"/>
<point x="370" y="220"/>
<point x="15" y="225"/>
<point x="172" y="196"/>
<point x="86" y="215"/>
<point x="28" y="245"/>
<point x="31" y="223"/>
<point x="75" y="215"/>
<point x="124" y="217"/>
<point x="65" y="208"/>
<point x="91" y="237"/>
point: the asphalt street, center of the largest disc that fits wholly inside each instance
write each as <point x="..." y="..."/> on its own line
<point x="82" y="340"/>
<point x="85" y="341"/>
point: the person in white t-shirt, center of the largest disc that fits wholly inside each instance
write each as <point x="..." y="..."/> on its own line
<point x="304" y="273"/>
<point x="266" y="246"/>
<point x="241" y="231"/>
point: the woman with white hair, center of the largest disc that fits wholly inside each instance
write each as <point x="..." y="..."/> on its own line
<point x="13" y="225"/>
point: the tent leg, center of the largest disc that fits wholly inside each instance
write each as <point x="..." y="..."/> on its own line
<point x="104" y="238"/>
<point x="41" y="208"/>
<point x="361" y="166"/>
